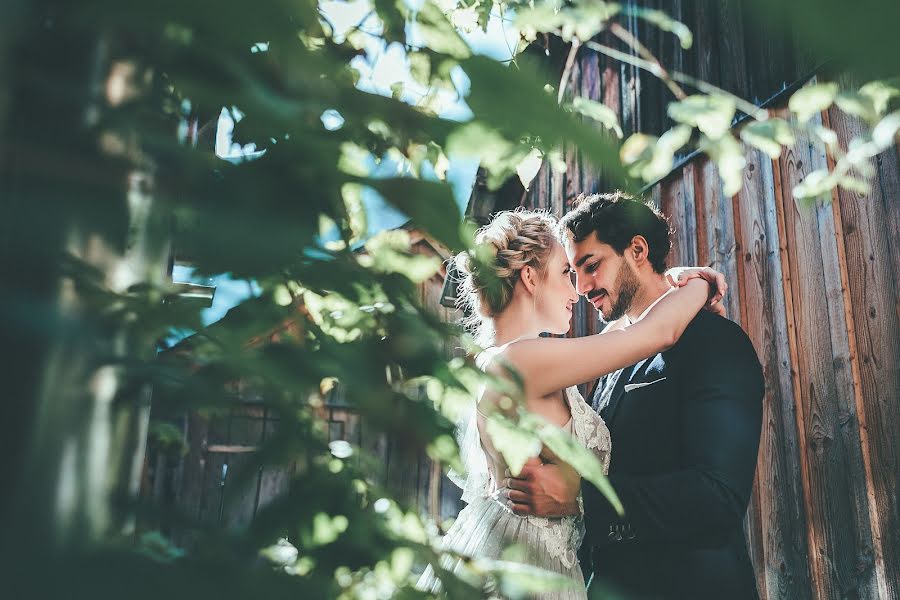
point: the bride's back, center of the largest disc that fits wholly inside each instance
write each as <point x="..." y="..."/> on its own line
<point x="554" y="408"/>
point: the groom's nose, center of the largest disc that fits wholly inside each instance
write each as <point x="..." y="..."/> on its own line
<point x="583" y="284"/>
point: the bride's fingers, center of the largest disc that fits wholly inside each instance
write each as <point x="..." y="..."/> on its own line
<point x="721" y="288"/>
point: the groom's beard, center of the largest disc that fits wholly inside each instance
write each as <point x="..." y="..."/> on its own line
<point x="627" y="286"/>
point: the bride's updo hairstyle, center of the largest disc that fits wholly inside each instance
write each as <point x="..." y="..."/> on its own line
<point x="503" y="247"/>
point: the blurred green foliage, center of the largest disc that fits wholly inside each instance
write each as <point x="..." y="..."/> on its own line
<point x="102" y="168"/>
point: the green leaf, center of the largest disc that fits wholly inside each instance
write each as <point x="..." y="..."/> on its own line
<point x="638" y="148"/>
<point x="652" y="158"/>
<point x="581" y="459"/>
<point x="599" y="112"/>
<point x="769" y="136"/>
<point x="858" y="105"/>
<point x="514" y="443"/>
<point x="729" y="158"/>
<point x="356" y="212"/>
<point x="664" y="153"/>
<point x="397" y="90"/>
<point x="518" y="580"/>
<point x="389" y="252"/>
<point x="419" y="67"/>
<point x="825" y="135"/>
<point x="354" y="159"/>
<point x="667" y="23"/>
<point x="710" y="114"/>
<point x="582" y="21"/>
<point x="815" y="184"/>
<point x="539" y="121"/>
<point x="393" y="19"/>
<point x="855" y="185"/>
<point x="812" y="99"/>
<point x="885" y="132"/>
<point x="429" y="205"/>
<point x="528" y="168"/>
<point x="497" y="155"/>
<point x="438" y="33"/>
<point x="484" y="14"/>
<point x="881" y="93"/>
<point x="465" y="18"/>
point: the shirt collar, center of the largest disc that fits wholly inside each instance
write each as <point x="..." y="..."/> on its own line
<point x="647" y="310"/>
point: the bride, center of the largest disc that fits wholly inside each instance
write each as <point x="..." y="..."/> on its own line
<point x="531" y="293"/>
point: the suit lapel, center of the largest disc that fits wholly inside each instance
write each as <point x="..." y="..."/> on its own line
<point x="618" y="390"/>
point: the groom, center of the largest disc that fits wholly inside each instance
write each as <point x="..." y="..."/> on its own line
<point x="685" y="427"/>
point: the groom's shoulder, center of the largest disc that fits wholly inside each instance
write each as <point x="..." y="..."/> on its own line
<point x="715" y="347"/>
<point x="711" y="331"/>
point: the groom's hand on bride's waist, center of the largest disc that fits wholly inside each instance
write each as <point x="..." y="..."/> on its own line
<point x="543" y="490"/>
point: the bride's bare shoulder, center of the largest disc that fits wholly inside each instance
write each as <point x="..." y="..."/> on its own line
<point x="496" y="360"/>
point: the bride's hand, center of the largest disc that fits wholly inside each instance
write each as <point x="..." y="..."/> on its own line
<point x="679" y="276"/>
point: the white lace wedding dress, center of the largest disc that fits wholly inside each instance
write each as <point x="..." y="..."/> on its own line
<point x="486" y="526"/>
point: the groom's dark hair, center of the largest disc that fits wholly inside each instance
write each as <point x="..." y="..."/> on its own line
<point x="615" y="219"/>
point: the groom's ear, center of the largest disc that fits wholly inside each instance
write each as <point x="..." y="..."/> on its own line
<point x="639" y="250"/>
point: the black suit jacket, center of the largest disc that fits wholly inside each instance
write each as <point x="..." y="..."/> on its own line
<point x="684" y="449"/>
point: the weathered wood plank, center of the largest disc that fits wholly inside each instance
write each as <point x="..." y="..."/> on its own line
<point x="678" y="206"/>
<point x="672" y="55"/>
<point x="190" y="494"/>
<point x="703" y="57"/>
<point x="753" y="519"/>
<point x="825" y="377"/>
<point x="451" y="499"/>
<point x="652" y="94"/>
<point x="402" y="472"/>
<point x="212" y="482"/>
<point x="426" y="472"/>
<point x="888" y="175"/>
<point x="768" y="52"/>
<point x="716" y="243"/>
<point x="732" y="48"/>
<point x="573" y="181"/>
<point x="630" y="86"/>
<point x="592" y="88"/>
<point x="781" y="566"/>
<point x="871" y="294"/>
<point x="571" y="155"/>
<point x="240" y="490"/>
<point x="239" y="477"/>
<point x="888" y="169"/>
<point x="274" y="479"/>
<point x="273" y="482"/>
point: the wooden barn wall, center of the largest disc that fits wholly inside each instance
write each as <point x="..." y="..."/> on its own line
<point x="815" y="285"/>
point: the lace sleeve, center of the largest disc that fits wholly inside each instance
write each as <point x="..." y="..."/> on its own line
<point x="589" y="427"/>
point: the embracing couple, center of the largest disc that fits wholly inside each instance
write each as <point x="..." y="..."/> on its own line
<point x="675" y="417"/>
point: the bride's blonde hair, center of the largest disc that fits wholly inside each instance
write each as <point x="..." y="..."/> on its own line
<point x="512" y="240"/>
